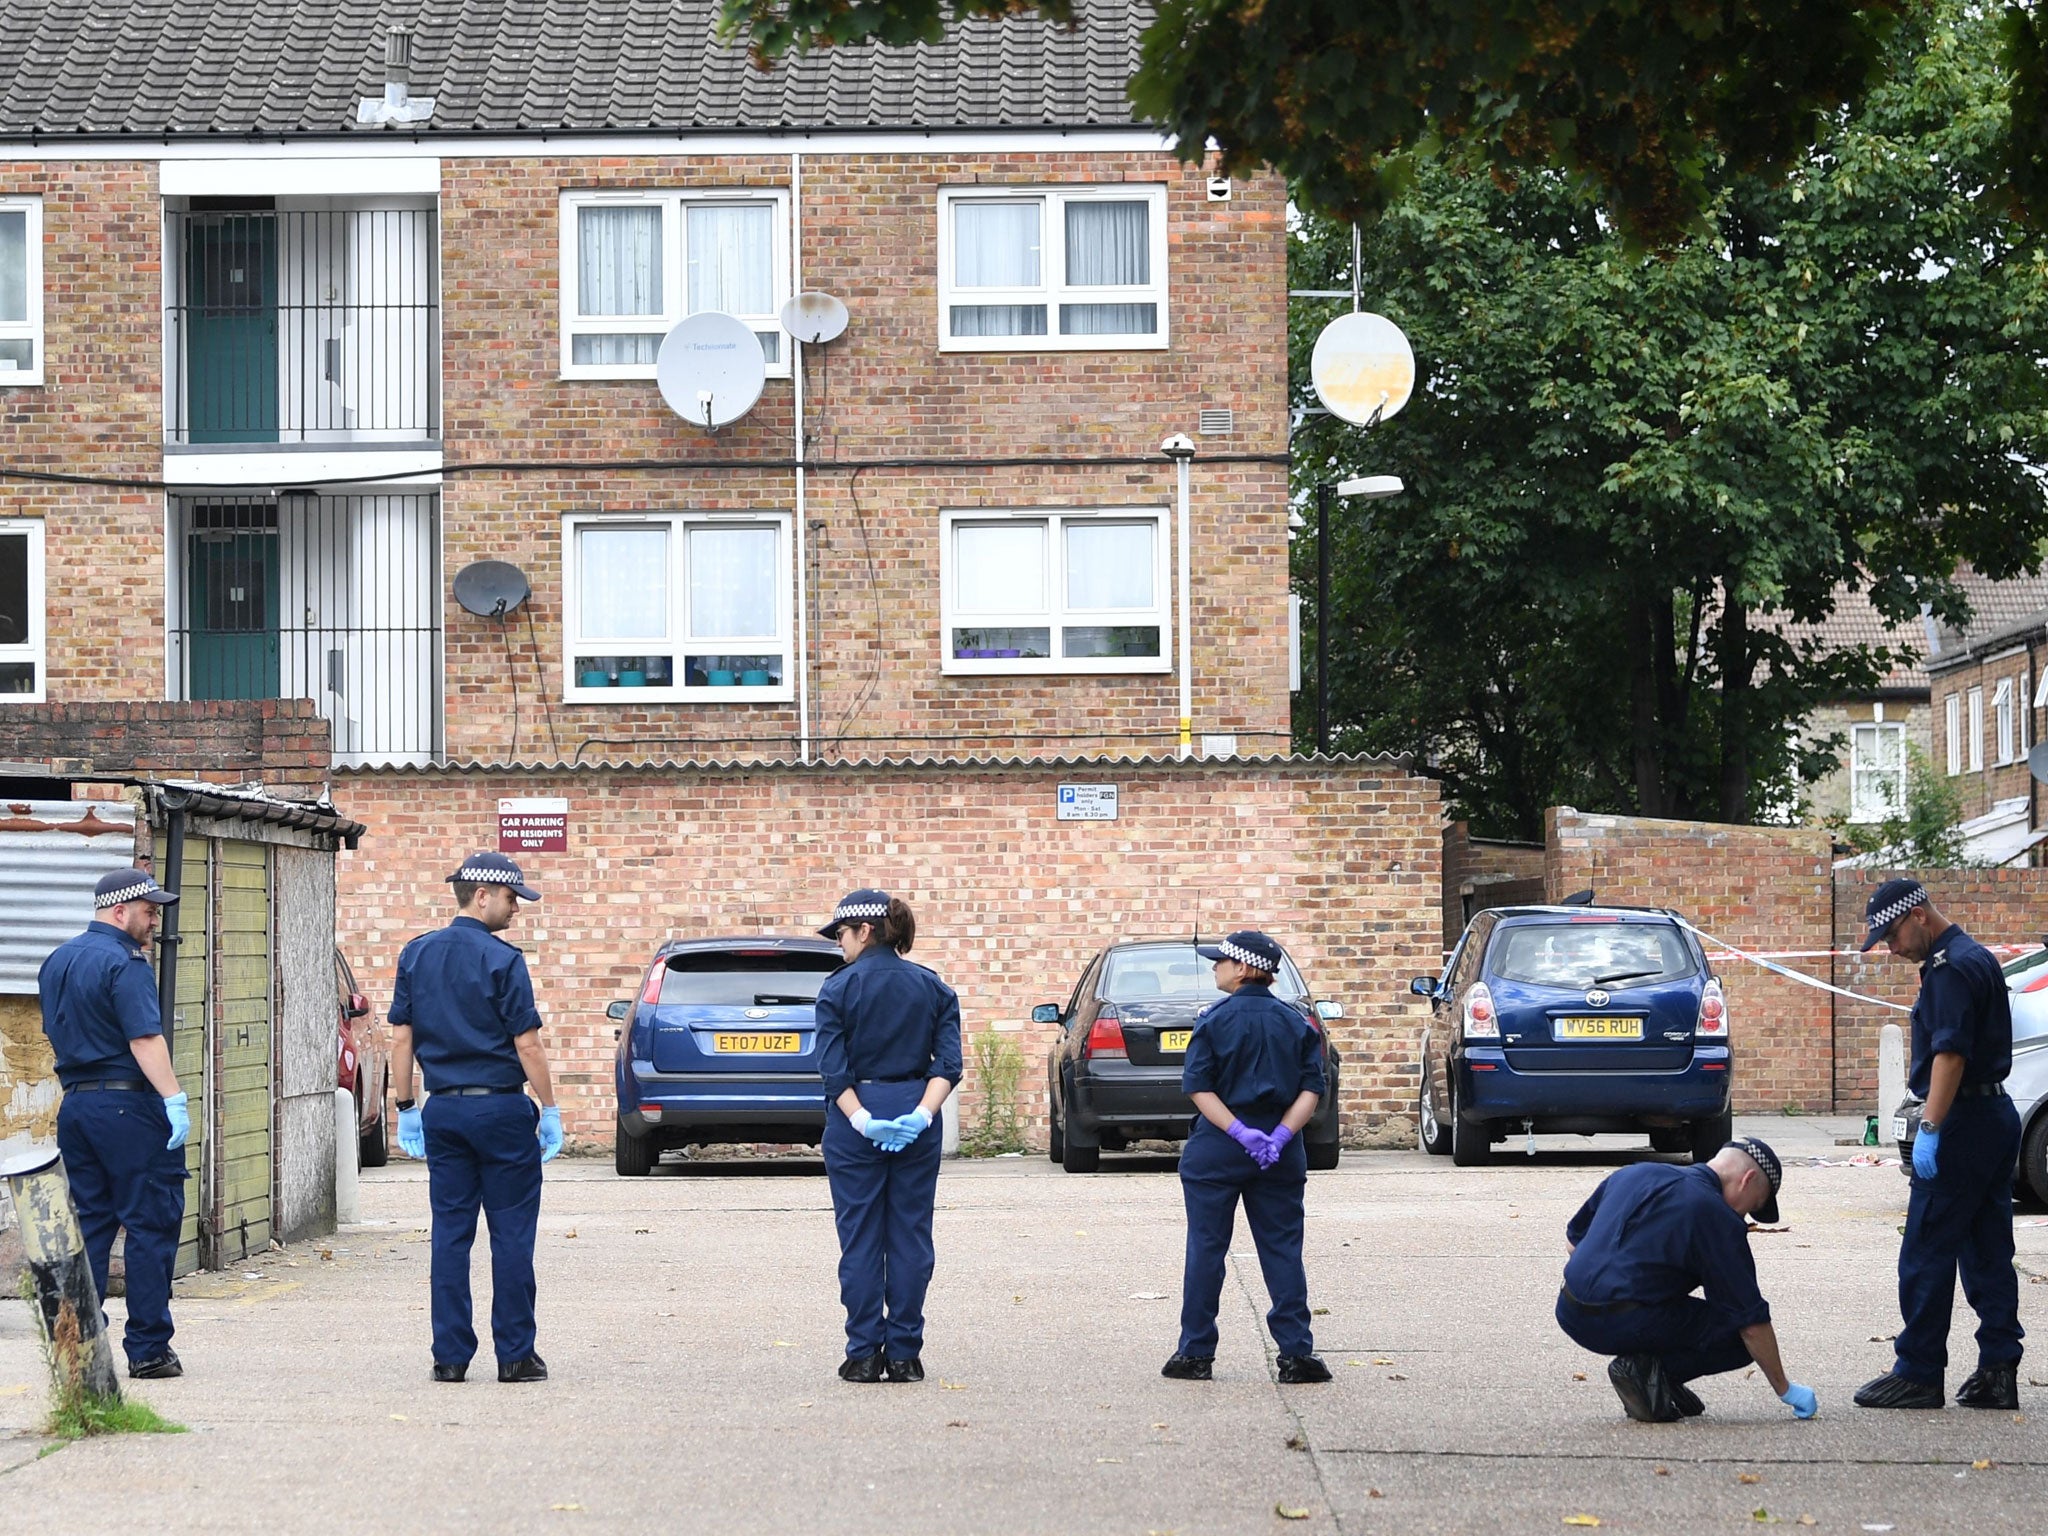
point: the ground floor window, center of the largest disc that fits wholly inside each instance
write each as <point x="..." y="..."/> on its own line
<point x="21" y="611"/>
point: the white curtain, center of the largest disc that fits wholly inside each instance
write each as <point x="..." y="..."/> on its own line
<point x="732" y="583"/>
<point x="619" y="261"/>
<point x="1110" y="565"/>
<point x="622" y="583"/>
<point x="999" y="568"/>
<point x="996" y="245"/>
<point x="611" y="351"/>
<point x="732" y="258"/>
<point x="1108" y="245"/>
<point x="13" y="265"/>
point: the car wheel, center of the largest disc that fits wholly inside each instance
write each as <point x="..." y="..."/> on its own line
<point x="1711" y="1135"/>
<point x="1430" y="1131"/>
<point x="2034" y="1157"/>
<point x="634" y="1157"/>
<point x="373" y="1151"/>
<point x="1471" y="1141"/>
<point x="1671" y="1138"/>
<point x="1323" y="1155"/>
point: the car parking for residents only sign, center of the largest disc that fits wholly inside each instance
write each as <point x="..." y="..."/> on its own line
<point x="533" y="826"/>
<point x="1087" y="802"/>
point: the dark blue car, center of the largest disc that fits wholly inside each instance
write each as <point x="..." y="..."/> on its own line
<point x="722" y="1046"/>
<point x="1577" y="1019"/>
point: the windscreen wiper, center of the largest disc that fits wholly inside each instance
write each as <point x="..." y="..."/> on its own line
<point x="1601" y="981"/>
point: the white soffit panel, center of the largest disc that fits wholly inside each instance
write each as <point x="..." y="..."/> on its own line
<point x="302" y="177"/>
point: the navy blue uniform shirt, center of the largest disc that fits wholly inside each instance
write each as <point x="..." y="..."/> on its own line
<point x="1255" y="1053"/>
<point x="466" y="994"/>
<point x="98" y="993"/>
<point x="1963" y="1007"/>
<point x="1653" y="1233"/>
<point x="886" y="1017"/>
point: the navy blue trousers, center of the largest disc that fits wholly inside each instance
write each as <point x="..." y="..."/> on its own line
<point x="882" y="1204"/>
<point x="482" y="1153"/>
<point x="1691" y="1338"/>
<point x="123" y="1177"/>
<point x="1216" y="1173"/>
<point x="1961" y="1220"/>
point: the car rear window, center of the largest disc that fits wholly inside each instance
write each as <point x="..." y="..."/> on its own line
<point x="1175" y="971"/>
<point x="1584" y="954"/>
<point x="737" y="980"/>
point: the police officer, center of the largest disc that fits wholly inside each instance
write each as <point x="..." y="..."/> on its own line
<point x="1254" y="1069"/>
<point x="463" y="1004"/>
<point x="1959" y="1216"/>
<point x="124" y="1120"/>
<point x="1649" y="1236"/>
<point x="889" y="1051"/>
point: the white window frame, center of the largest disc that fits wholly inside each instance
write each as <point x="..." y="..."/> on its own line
<point x="31" y="328"/>
<point x="1057" y="615"/>
<point x="1052" y="290"/>
<point x="1878" y="729"/>
<point x="677" y="642"/>
<point x="675" y="274"/>
<point x="1976" y="730"/>
<point x="1952" y="712"/>
<point x="2004" y="723"/>
<point x="35" y="649"/>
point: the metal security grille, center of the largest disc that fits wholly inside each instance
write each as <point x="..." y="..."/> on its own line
<point x="302" y="326"/>
<point x="332" y="598"/>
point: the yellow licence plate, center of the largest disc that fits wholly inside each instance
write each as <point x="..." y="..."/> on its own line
<point x="785" y="1045"/>
<point x="1175" y="1039"/>
<point x="1596" y="1029"/>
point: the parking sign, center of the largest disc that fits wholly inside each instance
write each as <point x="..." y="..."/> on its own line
<point x="1087" y="802"/>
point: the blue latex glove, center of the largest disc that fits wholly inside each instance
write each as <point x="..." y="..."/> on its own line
<point x="907" y="1128"/>
<point x="1800" y="1400"/>
<point x="550" y="1131"/>
<point x="1253" y="1141"/>
<point x="877" y="1131"/>
<point x="1275" y="1145"/>
<point x="412" y="1133"/>
<point x="1925" y="1145"/>
<point x="175" y="1106"/>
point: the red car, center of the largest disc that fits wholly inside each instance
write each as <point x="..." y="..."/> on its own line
<point x="365" y="1069"/>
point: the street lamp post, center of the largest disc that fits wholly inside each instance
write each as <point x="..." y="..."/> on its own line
<point x="1365" y="488"/>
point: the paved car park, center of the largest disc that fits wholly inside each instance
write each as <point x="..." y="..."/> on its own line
<point x="691" y="1322"/>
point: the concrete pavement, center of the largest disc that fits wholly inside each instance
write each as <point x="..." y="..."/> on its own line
<point x="692" y="1327"/>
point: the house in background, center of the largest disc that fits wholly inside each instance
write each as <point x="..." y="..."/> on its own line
<point x="1988" y="698"/>
<point x="1879" y="730"/>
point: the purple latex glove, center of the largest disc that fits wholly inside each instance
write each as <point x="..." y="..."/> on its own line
<point x="1275" y="1145"/>
<point x="1253" y="1141"/>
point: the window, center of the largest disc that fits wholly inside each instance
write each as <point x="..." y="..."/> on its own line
<point x="1070" y="591"/>
<point x="1952" y="721"/>
<point x="634" y="264"/>
<point x="1081" y="268"/>
<point x="21" y="612"/>
<point x="1592" y="954"/>
<point x="1976" y="729"/>
<point x="2007" y="720"/>
<point x="21" y="292"/>
<point x="1877" y="772"/>
<point x="679" y="605"/>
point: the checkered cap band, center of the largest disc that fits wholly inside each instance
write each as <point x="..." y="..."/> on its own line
<point x="125" y="893"/>
<point x="854" y="911"/>
<point x="1884" y="917"/>
<point x="477" y="874"/>
<point x="1244" y="956"/>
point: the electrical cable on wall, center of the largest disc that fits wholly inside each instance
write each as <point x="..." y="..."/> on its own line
<point x="874" y="678"/>
<point x="541" y="684"/>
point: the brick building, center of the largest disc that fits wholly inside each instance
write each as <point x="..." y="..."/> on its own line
<point x="1987" y="706"/>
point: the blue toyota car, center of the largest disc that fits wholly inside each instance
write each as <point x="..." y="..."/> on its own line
<point x="721" y="1046"/>
<point x="1574" y="1018"/>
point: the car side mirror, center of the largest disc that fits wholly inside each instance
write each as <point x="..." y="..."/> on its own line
<point x="1046" y="1013"/>
<point x="1327" y="1010"/>
<point x="358" y="1005"/>
<point x="1423" y="986"/>
<point x="618" y="1010"/>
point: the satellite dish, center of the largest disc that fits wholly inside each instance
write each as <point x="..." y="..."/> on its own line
<point x="710" y="369"/>
<point x="2037" y="762"/>
<point x="814" y="318"/>
<point x="1363" y="368"/>
<point x="490" y="589"/>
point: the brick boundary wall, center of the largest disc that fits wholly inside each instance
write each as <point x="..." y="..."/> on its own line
<point x="1340" y="860"/>
<point x="1501" y="873"/>
<point x="282" y="742"/>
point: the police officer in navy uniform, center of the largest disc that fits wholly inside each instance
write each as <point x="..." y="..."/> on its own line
<point x="1959" y="1216"/>
<point x="1648" y="1237"/>
<point x="463" y="1004"/>
<point x="124" y="1119"/>
<point x="1254" y="1068"/>
<point x="889" y="1051"/>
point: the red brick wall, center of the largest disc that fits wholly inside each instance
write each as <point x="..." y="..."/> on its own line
<point x="1996" y="780"/>
<point x="283" y="743"/>
<point x="1488" y="873"/>
<point x="1339" y="862"/>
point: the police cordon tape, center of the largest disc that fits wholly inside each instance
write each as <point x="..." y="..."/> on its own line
<point x="1789" y="973"/>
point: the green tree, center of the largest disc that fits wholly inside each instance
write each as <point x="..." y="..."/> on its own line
<point x="1624" y="473"/>
<point x="1643" y="101"/>
<point x="1927" y="835"/>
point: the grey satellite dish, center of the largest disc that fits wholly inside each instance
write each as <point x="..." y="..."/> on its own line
<point x="710" y="369"/>
<point x="1363" y="368"/>
<point x="814" y="318"/>
<point x="490" y="589"/>
<point x="2037" y="762"/>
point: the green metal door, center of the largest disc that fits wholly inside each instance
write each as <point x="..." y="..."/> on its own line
<point x="231" y="598"/>
<point x="190" y="1035"/>
<point x="231" y="357"/>
<point x="243" y="1017"/>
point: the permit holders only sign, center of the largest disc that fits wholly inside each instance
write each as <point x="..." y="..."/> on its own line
<point x="1087" y="802"/>
<point x="533" y="826"/>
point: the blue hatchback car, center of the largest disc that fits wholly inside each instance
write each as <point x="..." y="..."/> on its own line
<point x="1574" y="1018"/>
<point x="722" y="1046"/>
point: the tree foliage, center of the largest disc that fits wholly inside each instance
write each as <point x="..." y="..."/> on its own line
<point x="1627" y="475"/>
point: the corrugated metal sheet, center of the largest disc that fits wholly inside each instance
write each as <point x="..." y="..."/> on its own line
<point x="51" y="853"/>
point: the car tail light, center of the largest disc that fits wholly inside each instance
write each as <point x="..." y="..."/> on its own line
<point x="651" y="993"/>
<point x="1713" y="1012"/>
<point x="1105" y="1035"/>
<point x="1480" y="1019"/>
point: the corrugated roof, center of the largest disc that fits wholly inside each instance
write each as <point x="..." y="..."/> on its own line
<point x="215" y="68"/>
<point x="921" y="764"/>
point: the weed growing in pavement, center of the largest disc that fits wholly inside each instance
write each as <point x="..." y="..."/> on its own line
<point x="75" y="1412"/>
<point x="998" y="1068"/>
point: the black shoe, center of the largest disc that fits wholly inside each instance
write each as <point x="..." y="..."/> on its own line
<point x="1645" y="1392"/>
<point x="908" y="1369"/>
<point x="160" y="1368"/>
<point x="1892" y="1390"/>
<point x="532" y="1368"/>
<point x="1687" y="1401"/>
<point x="450" y="1372"/>
<point x="1991" y="1386"/>
<point x="1189" y="1367"/>
<point x="1299" y="1368"/>
<point x="865" y="1369"/>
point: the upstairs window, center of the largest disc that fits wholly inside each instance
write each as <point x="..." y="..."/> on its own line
<point x="1877" y="772"/>
<point x="1952" y="722"/>
<point x="1069" y="591"/>
<point x="634" y="264"/>
<point x="21" y="611"/>
<point x="1081" y="268"/>
<point x="1976" y="729"/>
<point x="21" y="291"/>
<point x="2006" y="715"/>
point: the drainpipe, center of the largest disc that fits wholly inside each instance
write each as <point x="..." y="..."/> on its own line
<point x="796" y="359"/>
<point x="171" y="875"/>
<point x="1182" y="451"/>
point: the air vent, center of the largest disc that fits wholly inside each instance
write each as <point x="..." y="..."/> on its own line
<point x="1218" y="422"/>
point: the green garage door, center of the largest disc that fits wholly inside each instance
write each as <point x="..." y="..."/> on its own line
<point x="242" y="1012"/>
<point x="189" y="1034"/>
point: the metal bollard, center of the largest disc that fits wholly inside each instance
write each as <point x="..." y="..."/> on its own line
<point x="67" y="1305"/>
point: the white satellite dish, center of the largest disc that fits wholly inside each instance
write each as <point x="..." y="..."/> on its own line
<point x="814" y="318"/>
<point x="710" y="369"/>
<point x="1363" y="368"/>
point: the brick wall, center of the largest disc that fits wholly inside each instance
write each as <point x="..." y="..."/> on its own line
<point x="1339" y="861"/>
<point x="1482" y="872"/>
<point x="281" y="742"/>
<point x="1996" y="778"/>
